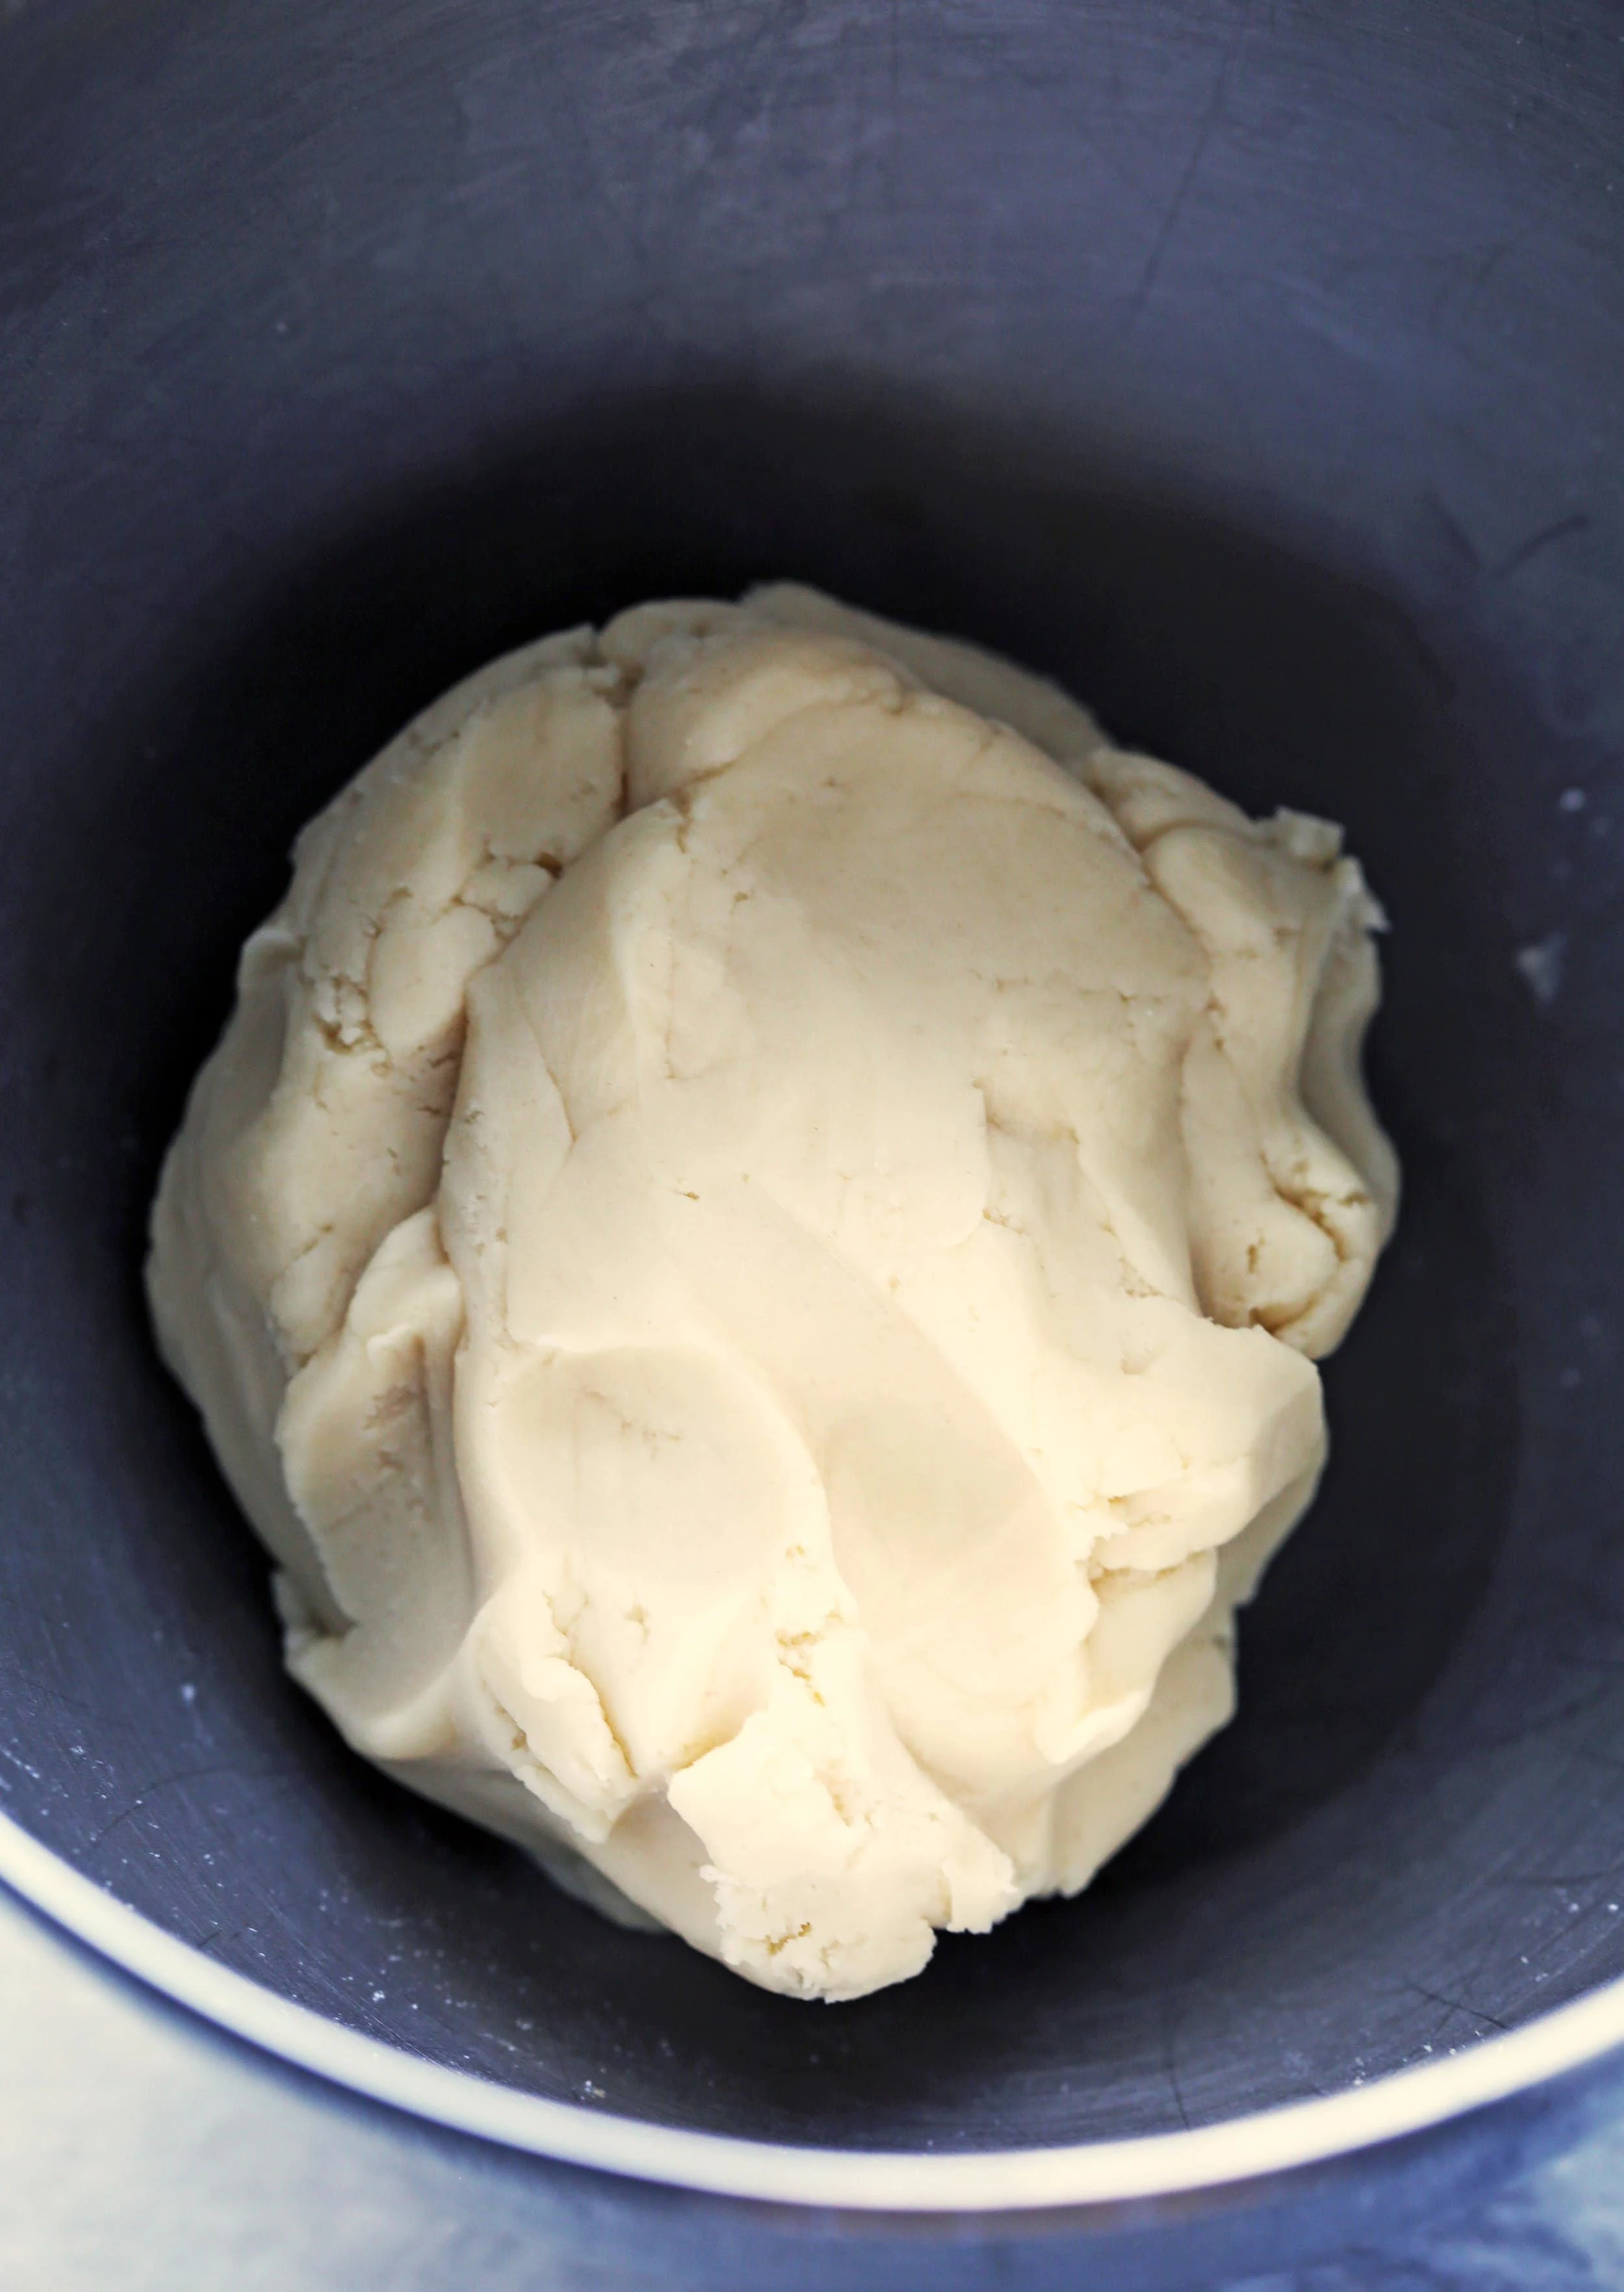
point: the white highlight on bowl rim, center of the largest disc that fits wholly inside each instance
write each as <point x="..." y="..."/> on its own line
<point x="1238" y="2149"/>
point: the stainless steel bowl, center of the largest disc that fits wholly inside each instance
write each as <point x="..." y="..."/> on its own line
<point x="1256" y="371"/>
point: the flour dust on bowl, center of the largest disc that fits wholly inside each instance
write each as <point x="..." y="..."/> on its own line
<point x="1254" y="379"/>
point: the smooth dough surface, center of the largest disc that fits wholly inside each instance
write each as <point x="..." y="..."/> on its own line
<point x="755" y="1246"/>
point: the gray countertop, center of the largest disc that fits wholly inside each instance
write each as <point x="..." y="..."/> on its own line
<point x="141" y="2152"/>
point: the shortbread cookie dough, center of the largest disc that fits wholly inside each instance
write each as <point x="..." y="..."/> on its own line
<point x="754" y="1247"/>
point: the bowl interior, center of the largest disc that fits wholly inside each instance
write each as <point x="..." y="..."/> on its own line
<point x="340" y="351"/>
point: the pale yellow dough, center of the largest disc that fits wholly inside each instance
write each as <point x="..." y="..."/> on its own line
<point x="755" y="1246"/>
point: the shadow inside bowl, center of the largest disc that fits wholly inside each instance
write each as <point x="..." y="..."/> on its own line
<point x="1267" y="1935"/>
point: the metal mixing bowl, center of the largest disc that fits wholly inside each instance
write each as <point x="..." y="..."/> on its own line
<point x="1257" y="370"/>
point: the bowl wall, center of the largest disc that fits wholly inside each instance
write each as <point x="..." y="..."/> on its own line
<point x="1257" y="373"/>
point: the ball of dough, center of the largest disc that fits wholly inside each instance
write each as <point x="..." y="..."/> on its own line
<point x="755" y="1246"/>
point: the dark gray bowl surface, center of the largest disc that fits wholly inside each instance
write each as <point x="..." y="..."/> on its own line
<point x="1257" y="370"/>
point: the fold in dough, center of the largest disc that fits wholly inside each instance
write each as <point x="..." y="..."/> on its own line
<point x="755" y="1246"/>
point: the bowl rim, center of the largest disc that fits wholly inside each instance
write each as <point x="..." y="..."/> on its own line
<point x="1264" y="2143"/>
